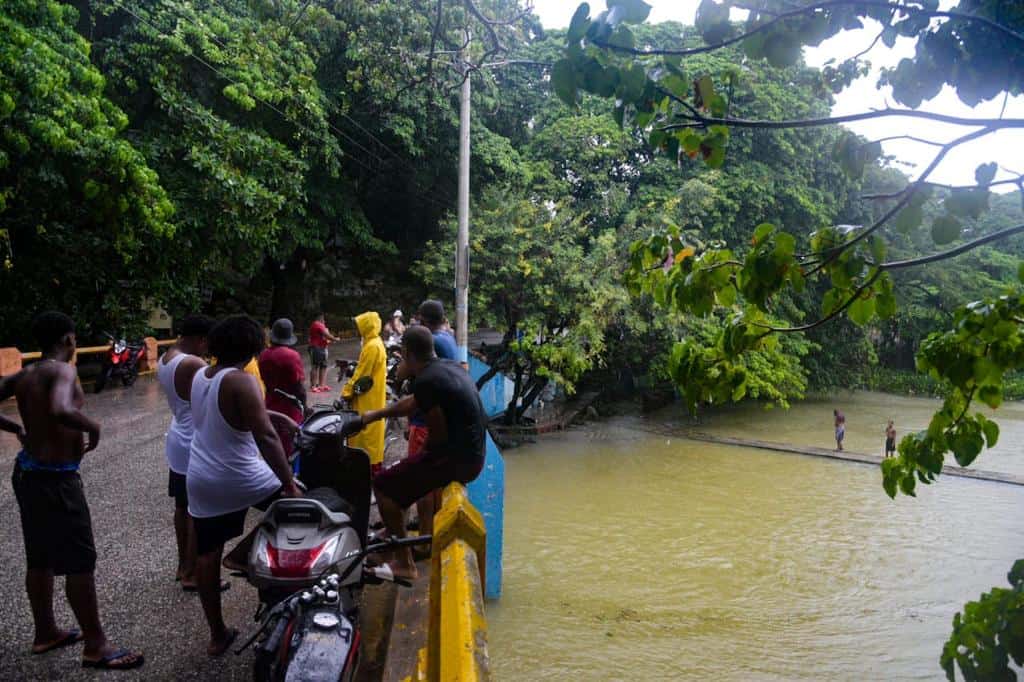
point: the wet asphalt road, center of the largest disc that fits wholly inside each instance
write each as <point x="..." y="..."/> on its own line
<point x="141" y="606"/>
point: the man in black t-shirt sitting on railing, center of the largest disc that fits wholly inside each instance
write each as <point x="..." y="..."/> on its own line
<point x="444" y="392"/>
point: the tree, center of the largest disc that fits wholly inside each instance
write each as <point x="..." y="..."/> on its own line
<point x="977" y="48"/>
<point x="79" y="205"/>
<point x="547" y="280"/>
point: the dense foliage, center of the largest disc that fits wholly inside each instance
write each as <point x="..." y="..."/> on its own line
<point x="849" y="270"/>
<point x="82" y="213"/>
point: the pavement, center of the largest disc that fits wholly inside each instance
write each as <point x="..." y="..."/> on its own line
<point x="141" y="606"/>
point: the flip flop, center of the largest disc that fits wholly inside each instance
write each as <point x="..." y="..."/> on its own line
<point x="72" y="637"/>
<point x="232" y="636"/>
<point x="224" y="587"/>
<point x="107" y="662"/>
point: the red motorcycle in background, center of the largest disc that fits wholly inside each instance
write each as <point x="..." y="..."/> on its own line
<point x="122" y="360"/>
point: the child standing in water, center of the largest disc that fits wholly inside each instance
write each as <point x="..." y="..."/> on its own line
<point x="890" y="439"/>
<point x="840" y="424"/>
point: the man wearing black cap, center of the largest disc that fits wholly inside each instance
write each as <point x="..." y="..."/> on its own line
<point x="281" y="367"/>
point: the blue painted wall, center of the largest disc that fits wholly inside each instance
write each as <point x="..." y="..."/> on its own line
<point x="487" y="492"/>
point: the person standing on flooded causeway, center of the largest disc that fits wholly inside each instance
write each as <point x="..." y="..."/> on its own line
<point x="55" y="518"/>
<point x="890" y="440"/>
<point x="840" y="424"/>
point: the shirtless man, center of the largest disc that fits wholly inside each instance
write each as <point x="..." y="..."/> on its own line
<point x="840" y="424"/>
<point x="55" y="517"/>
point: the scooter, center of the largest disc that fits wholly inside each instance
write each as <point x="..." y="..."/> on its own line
<point x="122" y="360"/>
<point x="307" y="557"/>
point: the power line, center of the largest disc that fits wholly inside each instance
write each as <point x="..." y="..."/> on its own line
<point x="340" y="132"/>
<point x="274" y="108"/>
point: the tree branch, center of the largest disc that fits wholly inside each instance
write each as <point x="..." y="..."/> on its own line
<point x="952" y="253"/>
<point x="832" y="254"/>
<point x="907" y="137"/>
<point x="703" y="121"/>
<point x="938" y="185"/>
<point x="809" y="9"/>
<point x="831" y="316"/>
<point x="895" y="265"/>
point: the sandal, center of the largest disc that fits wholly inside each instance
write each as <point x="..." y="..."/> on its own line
<point x="70" y="637"/>
<point x="109" y="662"/>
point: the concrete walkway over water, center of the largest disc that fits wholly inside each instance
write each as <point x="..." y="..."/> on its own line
<point x="848" y="456"/>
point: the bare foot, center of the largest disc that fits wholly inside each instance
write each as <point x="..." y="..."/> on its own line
<point x="216" y="647"/>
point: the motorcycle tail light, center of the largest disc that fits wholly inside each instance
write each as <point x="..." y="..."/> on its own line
<point x="292" y="563"/>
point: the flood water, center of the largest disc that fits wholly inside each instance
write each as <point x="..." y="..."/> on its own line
<point x="633" y="554"/>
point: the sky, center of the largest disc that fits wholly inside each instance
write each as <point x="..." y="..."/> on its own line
<point x="1004" y="147"/>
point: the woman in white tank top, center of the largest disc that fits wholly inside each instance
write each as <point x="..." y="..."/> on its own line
<point x="176" y="368"/>
<point x="179" y="434"/>
<point x="235" y="461"/>
<point x="225" y="471"/>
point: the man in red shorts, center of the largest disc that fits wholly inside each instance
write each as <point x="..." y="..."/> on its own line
<point x="456" y="425"/>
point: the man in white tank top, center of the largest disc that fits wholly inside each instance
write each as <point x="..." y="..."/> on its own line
<point x="235" y="462"/>
<point x="175" y="371"/>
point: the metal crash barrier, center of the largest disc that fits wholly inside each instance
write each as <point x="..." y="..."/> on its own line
<point x="457" y="639"/>
<point x="12" y="359"/>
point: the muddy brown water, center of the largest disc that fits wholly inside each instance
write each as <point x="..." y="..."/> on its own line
<point x="633" y="554"/>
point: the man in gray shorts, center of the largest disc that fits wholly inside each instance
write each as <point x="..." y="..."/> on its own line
<point x="319" y="337"/>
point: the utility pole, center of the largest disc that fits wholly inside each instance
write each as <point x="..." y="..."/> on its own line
<point x="462" y="243"/>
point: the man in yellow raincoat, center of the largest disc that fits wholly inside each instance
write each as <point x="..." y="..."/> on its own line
<point x="372" y="363"/>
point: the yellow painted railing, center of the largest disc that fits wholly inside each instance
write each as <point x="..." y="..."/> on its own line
<point x="457" y="640"/>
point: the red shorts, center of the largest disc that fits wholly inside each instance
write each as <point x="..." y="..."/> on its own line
<point x="423" y="472"/>
<point x="417" y="439"/>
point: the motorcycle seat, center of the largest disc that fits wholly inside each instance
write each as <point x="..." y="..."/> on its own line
<point x="334" y="502"/>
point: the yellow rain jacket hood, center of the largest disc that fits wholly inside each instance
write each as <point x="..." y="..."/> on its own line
<point x="372" y="363"/>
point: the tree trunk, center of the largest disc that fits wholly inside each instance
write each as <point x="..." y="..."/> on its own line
<point x="531" y="396"/>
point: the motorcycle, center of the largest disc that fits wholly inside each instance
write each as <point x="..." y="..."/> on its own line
<point x="306" y="560"/>
<point x="122" y="360"/>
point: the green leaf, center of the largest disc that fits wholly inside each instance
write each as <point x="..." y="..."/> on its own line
<point x="622" y="37"/>
<point x="967" y="203"/>
<point x="861" y="311"/>
<point x="909" y="218"/>
<point x="945" y="229"/>
<point x="632" y="82"/>
<point x="579" y="24"/>
<point x="878" y="249"/>
<point x="705" y="90"/>
<point x="781" y="50"/>
<point x="985" y="172"/>
<point x="1020" y="272"/>
<point x="712" y="21"/>
<point x="785" y="244"/>
<point x="634" y="11"/>
<point x="991" y="396"/>
<point x="761" y="232"/>
<point x="563" y="80"/>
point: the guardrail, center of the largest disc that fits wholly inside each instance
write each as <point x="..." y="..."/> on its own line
<point x="12" y="359"/>
<point x="457" y="638"/>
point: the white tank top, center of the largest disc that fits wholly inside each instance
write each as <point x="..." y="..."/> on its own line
<point x="179" y="435"/>
<point x="225" y="470"/>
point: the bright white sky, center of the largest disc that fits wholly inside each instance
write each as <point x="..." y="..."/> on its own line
<point x="1003" y="147"/>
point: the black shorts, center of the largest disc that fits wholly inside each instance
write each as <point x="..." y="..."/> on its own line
<point x="317" y="356"/>
<point x="890" y="445"/>
<point x="55" y="521"/>
<point x="424" y="471"/>
<point x="214" y="531"/>
<point x="177" y="489"/>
